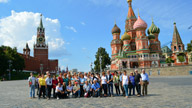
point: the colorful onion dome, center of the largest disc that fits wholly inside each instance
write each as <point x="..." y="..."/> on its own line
<point x="153" y="29"/>
<point x="125" y="36"/>
<point x="129" y="0"/>
<point x="116" y="29"/>
<point x="139" y="23"/>
<point x="151" y="36"/>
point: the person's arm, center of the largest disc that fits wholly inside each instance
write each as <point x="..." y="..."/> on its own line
<point x="39" y="84"/>
<point x="122" y="80"/>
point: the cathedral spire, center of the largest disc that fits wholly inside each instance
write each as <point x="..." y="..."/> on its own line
<point x="131" y="14"/>
<point x="41" y="22"/>
<point x="176" y="36"/>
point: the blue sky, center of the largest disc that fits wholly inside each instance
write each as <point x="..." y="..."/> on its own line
<point x="75" y="29"/>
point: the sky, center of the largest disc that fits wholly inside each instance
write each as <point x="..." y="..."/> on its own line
<point x="75" y="29"/>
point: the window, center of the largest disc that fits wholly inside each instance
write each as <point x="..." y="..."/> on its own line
<point x="175" y="48"/>
<point x="179" y="48"/>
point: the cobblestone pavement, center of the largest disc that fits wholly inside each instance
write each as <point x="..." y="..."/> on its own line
<point x="164" y="92"/>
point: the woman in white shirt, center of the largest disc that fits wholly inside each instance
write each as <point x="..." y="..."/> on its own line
<point x="125" y="80"/>
<point x="104" y="83"/>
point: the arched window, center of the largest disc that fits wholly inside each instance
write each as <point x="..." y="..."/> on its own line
<point x="175" y="48"/>
<point x="179" y="48"/>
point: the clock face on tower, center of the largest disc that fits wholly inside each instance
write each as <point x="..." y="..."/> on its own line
<point x="41" y="40"/>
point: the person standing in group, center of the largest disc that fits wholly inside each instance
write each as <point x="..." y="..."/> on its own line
<point x="31" y="81"/>
<point x="138" y="83"/>
<point x="42" y="85"/>
<point x="49" y="85"/>
<point x="110" y="83"/>
<point x="82" y="82"/>
<point x="116" y="83"/>
<point x="95" y="87"/>
<point x="60" y="78"/>
<point x="64" y="92"/>
<point x="131" y="84"/>
<point x="76" y="90"/>
<point x="120" y="81"/>
<point x="85" y="76"/>
<point x="125" y="81"/>
<point x="65" y="79"/>
<point x="59" y="90"/>
<point x="145" y="82"/>
<point x="37" y="83"/>
<point x="55" y="82"/>
<point x="104" y="83"/>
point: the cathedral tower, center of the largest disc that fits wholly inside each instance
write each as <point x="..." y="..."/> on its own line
<point x="26" y="51"/>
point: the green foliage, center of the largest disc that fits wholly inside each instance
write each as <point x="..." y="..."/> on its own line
<point x="105" y="59"/>
<point x="8" y="53"/>
<point x="181" y="58"/>
<point x="189" y="47"/>
<point x="169" y="60"/>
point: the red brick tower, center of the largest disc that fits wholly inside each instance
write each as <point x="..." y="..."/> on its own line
<point x="131" y="19"/>
<point x="41" y="48"/>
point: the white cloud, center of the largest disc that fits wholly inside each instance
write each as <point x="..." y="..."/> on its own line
<point x="4" y="1"/>
<point x="21" y="27"/>
<point x="83" y="23"/>
<point x="71" y="28"/>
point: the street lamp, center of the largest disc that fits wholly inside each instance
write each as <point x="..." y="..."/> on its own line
<point x="91" y="66"/>
<point x="41" y="68"/>
<point x="100" y="59"/>
<point x="10" y="61"/>
<point x="56" y="68"/>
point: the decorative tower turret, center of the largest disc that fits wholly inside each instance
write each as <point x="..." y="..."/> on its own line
<point x="126" y="42"/>
<point x="26" y="50"/>
<point x="177" y="44"/>
<point x="155" y="45"/>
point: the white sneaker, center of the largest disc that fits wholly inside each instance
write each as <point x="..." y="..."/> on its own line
<point x="57" y="98"/>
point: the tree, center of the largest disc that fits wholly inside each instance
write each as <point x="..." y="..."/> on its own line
<point x="189" y="46"/>
<point x="3" y="62"/>
<point x="106" y="60"/>
<point x="169" y="61"/>
<point x="181" y="58"/>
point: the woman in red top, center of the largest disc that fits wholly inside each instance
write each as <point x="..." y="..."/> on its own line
<point x="55" y="82"/>
<point x="60" y="78"/>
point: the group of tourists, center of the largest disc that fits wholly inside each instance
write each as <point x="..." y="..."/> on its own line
<point x="88" y="84"/>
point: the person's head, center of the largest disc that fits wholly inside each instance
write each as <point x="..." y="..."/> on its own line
<point x="136" y="71"/>
<point x="70" y="83"/>
<point x="47" y="73"/>
<point x="86" y="82"/>
<point x="64" y="84"/>
<point x="42" y="75"/>
<point x="143" y="71"/>
<point x="125" y="72"/>
<point x="103" y="73"/>
<point x="119" y="72"/>
<point x="31" y="74"/>
<point x="131" y="74"/>
<point x="76" y="83"/>
<point x="115" y="73"/>
<point x="85" y="74"/>
<point x="108" y="72"/>
<point x="60" y="75"/>
<point x="81" y="75"/>
<point x="65" y="75"/>
<point x="69" y="76"/>
<point x="59" y="84"/>
<point x="54" y="77"/>
<point x="92" y="74"/>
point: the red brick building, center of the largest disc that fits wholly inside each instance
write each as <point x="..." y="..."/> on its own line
<point x="41" y="55"/>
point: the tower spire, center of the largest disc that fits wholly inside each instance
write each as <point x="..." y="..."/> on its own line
<point x="41" y="22"/>
<point x="176" y="36"/>
<point x="131" y="14"/>
<point x="138" y="13"/>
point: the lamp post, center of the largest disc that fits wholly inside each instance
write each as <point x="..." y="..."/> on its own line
<point x="100" y="59"/>
<point x="91" y="67"/>
<point x="41" y="68"/>
<point x="10" y="61"/>
<point x="56" y="68"/>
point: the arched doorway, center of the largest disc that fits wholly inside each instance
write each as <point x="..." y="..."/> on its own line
<point x="134" y="65"/>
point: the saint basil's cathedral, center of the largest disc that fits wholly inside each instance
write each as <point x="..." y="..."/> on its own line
<point x="136" y="50"/>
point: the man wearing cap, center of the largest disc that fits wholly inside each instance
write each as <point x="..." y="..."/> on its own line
<point x="145" y="82"/>
<point x="137" y="83"/>
<point x="76" y="90"/>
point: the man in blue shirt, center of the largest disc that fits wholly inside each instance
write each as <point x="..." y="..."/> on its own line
<point x="145" y="82"/>
<point x="95" y="87"/>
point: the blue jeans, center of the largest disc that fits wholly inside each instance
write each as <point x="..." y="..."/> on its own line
<point x="77" y="94"/>
<point x="126" y="89"/>
<point x="32" y="89"/>
<point x="110" y="88"/>
<point x="96" y="93"/>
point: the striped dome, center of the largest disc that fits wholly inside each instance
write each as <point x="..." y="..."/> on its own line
<point x="140" y="24"/>
<point x="153" y="29"/>
<point x="116" y="29"/>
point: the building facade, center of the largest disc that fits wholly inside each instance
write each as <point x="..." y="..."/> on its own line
<point x="135" y="49"/>
<point x="40" y="62"/>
